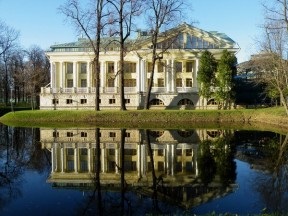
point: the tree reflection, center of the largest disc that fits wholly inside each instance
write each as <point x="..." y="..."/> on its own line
<point x="274" y="188"/>
<point x="206" y="163"/>
<point x="94" y="200"/>
<point x="19" y="149"/>
<point x="216" y="157"/>
<point x="155" y="180"/>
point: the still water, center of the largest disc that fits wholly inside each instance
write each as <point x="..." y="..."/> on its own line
<point x="105" y="171"/>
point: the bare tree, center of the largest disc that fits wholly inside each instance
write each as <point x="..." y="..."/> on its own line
<point x="36" y="73"/>
<point x="8" y="39"/>
<point x="271" y="64"/>
<point x="90" y="21"/>
<point x="123" y="12"/>
<point x="276" y="11"/>
<point x="16" y="66"/>
<point x="161" y="13"/>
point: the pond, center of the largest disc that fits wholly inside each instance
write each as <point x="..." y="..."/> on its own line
<point x="111" y="171"/>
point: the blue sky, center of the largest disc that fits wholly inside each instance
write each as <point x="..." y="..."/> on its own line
<point x="40" y="23"/>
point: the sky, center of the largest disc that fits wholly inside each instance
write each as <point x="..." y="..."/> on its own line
<point x="40" y="23"/>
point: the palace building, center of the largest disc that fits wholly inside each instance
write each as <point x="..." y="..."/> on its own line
<point x="72" y="84"/>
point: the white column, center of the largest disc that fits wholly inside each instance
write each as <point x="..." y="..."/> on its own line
<point x="117" y="160"/>
<point x="139" y="161"/>
<point x="88" y="74"/>
<point x="60" y="76"/>
<point x="144" y="76"/>
<point x="52" y="74"/>
<point x="167" y="72"/>
<point x="172" y="76"/>
<point x="138" y="75"/>
<point x="75" y="160"/>
<point x="195" y="83"/>
<point x="116" y="66"/>
<point x="103" y="161"/>
<point x="52" y="159"/>
<point x="172" y="159"/>
<point x="89" y="158"/>
<point x="63" y="72"/>
<point x="75" y="75"/>
<point x="102" y="74"/>
<point x="62" y="159"/>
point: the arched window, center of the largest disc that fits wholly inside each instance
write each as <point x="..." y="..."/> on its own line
<point x="156" y="133"/>
<point x="212" y="102"/>
<point x="157" y="102"/>
<point x="185" y="133"/>
<point x="214" y="133"/>
<point x="185" y="101"/>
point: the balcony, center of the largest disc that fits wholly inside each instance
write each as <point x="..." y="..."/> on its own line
<point x="186" y="89"/>
<point x="85" y="90"/>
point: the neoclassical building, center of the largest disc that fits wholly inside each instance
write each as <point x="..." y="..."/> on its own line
<point x="72" y="84"/>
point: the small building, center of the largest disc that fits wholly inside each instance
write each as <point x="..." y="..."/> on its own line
<point x="72" y="84"/>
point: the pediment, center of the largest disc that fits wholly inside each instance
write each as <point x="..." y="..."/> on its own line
<point x="188" y="37"/>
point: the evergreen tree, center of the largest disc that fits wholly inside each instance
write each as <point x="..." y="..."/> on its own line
<point x="226" y="70"/>
<point x="206" y="74"/>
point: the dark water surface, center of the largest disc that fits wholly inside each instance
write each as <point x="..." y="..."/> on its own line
<point x="92" y="171"/>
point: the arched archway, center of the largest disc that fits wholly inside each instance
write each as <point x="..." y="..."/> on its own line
<point x="156" y="102"/>
<point x="212" y="102"/>
<point x="185" y="101"/>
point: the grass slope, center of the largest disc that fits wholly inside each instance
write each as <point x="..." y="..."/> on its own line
<point x="148" y="118"/>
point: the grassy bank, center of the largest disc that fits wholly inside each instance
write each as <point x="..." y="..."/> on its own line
<point x="148" y="118"/>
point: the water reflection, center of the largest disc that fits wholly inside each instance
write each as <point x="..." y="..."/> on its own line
<point x="139" y="172"/>
<point x="166" y="165"/>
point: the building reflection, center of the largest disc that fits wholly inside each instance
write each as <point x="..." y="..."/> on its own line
<point x="74" y="157"/>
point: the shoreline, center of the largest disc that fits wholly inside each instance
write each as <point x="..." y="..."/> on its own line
<point x="243" y="118"/>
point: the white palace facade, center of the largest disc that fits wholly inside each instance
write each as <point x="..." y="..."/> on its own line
<point x="72" y="80"/>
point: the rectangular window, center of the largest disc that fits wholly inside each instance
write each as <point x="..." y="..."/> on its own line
<point x="69" y="134"/>
<point x="161" y="82"/>
<point x="84" y="166"/>
<point x="112" y="101"/>
<point x="55" y="134"/>
<point x="69" y="68"/>
<point x="111" y="152"/>
<point x="129" y="67"/>
<point x="127" y="101"/>
<point x="83" y="83"/>
<point x="83" y="101"/>
<point x="149" y="67"/>
<point x="83" y="134"/>
<point x="69" y="83"/>
<point x="130" y="82"/>
<point x="55" y="101"/>
<point x="130" y="151"/>
<point x="127" y="134"/>
<point x="69" y="101"/>
<point x="189" y="66"/>
<point x="110" y="67"/>
<point x="70" y="165"/>
<point x="112" y="134"/>
<point x="160" y="67"/>
<point x="83" y="67"/>
<point x="110" y="82"/>
<point x="160" y="152"/>
<point x="178" y="67"/>
<point x="178" y="82"/>
<point x="148" y="80"/>
<point x="188" y="82"/>
<point x="161" y="166"/>
<point x="83" y="151"/>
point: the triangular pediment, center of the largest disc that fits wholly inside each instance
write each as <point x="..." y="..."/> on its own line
<point x="188" y="37"/>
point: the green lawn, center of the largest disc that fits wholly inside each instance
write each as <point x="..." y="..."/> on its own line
<point x="147" y="118"/>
